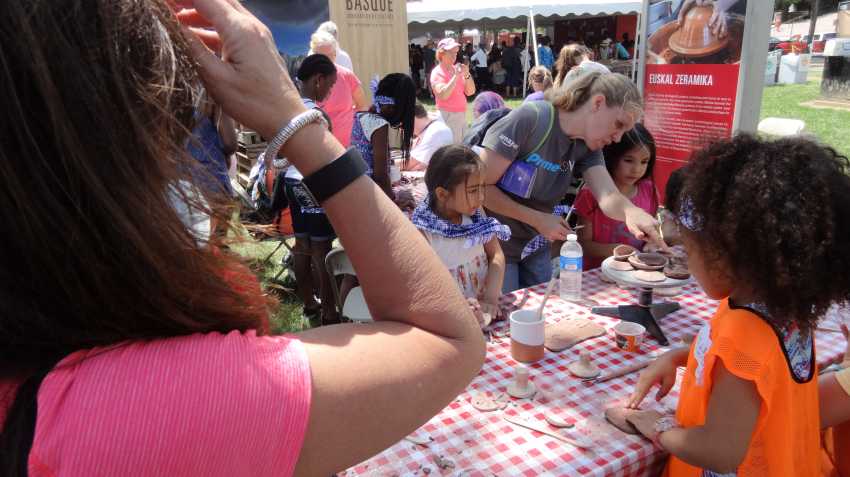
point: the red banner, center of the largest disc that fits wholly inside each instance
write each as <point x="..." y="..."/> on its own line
<point x="691" y="81"/>
<point x="685" y="106"/>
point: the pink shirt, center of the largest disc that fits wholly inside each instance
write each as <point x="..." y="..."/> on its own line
<point x="339" y="105"/>
<point x="204" y="404"/>
<point x="456" y="102"/>
<point x="608" y="230"/>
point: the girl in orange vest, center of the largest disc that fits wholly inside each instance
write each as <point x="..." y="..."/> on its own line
<point x="766" y="226"/>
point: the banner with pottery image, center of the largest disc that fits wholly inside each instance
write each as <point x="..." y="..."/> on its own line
<point x="693" y="57"/>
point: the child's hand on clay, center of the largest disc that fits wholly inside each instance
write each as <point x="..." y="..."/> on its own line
<point x="662" y="372"/>
<point x="644" y="422"/>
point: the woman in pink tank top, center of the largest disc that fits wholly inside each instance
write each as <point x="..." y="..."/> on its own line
<point x="130" y="344"/>
<point x="451" y="84"/>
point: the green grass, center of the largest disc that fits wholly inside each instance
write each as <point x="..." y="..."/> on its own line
<point x="287" y="317"/>
<point x="832" y="127"/>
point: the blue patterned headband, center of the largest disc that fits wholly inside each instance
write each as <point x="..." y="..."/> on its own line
<point x="382" y="101"/>
<point x="688" y="216"/>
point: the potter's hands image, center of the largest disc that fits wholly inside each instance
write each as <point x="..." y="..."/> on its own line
<point x="719" y="21"/>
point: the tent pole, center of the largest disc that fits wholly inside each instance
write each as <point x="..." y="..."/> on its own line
<point x="638" y="42"/>
<point x="641" y="45"/>
<point x="533" y="35"/>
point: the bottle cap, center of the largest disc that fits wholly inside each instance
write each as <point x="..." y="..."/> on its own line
<point x="572" y="238"/>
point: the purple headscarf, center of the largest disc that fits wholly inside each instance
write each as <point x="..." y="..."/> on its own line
<point x="485" y="102"/>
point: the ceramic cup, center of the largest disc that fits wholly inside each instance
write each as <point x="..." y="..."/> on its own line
<point x="526" y="336"/>
<point x="628" y="335"/>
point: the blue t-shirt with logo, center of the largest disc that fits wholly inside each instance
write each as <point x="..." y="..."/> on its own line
<point x="544" y="178"/>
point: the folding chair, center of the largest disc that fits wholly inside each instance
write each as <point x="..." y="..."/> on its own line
<point x="263" y="232"/>
<point x="354" y="308"/>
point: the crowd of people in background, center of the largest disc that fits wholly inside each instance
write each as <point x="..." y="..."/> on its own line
<point x="500" y="66"/>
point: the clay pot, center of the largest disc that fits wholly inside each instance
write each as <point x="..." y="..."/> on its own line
<point x="695" y="38"/>
<point x="623" y="252"/>
<point x="658" y="50"/>
<point x="648" y="261"/>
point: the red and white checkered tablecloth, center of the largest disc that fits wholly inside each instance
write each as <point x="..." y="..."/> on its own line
<point x="484" y="444"/>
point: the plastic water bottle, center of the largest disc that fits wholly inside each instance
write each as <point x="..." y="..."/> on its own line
<point x="571" y="267"/>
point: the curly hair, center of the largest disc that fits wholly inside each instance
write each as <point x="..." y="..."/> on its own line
<point x="777" y="213"/>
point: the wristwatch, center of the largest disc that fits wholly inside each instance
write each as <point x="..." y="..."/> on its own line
<point x="663" y="424"/>
<point x="332" y="178"/>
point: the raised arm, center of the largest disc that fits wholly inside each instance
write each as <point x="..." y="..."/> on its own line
<point x="383" y="379"/>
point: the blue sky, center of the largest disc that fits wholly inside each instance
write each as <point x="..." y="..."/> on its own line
<point x="291" y="22"/>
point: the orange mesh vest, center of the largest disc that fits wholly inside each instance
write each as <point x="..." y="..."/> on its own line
<point x="785" y="440"/>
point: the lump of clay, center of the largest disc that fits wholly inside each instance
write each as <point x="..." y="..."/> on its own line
<point x="583" y="367"/>
<point x="485" y="404"/>
<point x="617" y="417"/>
<point x="648" y="261"/>
<point x="556" y="420"/>
<point x="623" y="252"/>
<point x="567" y="333"/>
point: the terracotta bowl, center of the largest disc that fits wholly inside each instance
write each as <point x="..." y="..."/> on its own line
<point x="648" y="261"/>
<point x="623" y="252"/>
<point x="695" y="38"/>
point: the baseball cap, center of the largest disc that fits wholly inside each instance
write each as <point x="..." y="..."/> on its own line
<point x="447" y="44"/>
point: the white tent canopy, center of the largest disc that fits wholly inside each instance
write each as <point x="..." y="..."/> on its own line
<point x="442" y="11"/>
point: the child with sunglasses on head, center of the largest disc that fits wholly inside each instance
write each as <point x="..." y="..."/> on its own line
<point x="630" y="163"/>
<point x="766" y="227"/>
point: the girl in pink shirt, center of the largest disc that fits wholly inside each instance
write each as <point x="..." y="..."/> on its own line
<point x="630" y="163"/>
